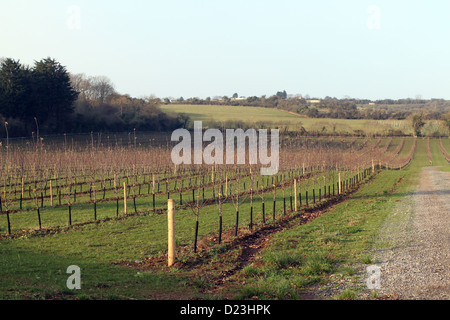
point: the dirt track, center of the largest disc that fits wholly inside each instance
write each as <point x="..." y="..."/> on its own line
<point x="415" y="242"/>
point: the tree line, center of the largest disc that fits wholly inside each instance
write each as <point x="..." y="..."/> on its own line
<point x="331" y="107"/>
<point x="45" y="98"/>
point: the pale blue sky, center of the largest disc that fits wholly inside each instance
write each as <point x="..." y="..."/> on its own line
<point x="253" y="47"/>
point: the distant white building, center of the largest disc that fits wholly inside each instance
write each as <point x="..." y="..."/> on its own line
<point x="313" y="101"/>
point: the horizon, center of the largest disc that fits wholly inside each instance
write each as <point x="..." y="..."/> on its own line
<point x="372" y="50"/>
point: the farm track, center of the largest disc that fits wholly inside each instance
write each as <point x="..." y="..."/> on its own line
<point x="414" y="258"/>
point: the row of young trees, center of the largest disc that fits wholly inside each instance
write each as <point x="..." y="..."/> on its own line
<point x="33" y="178"/>
<point x="46" y="98"/>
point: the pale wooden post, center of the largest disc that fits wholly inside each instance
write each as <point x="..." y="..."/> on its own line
<point x="171" y="232"/>
<point x="226" y="185"/>
<point x="295" y="195"/>
<point x="153" y="183"/>
<point x="340" y="187"/>
<point x="124" y="197"/>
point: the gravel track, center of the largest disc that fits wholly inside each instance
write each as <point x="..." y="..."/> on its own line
<point x="413" y="248"/>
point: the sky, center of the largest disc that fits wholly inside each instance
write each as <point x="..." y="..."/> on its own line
<point x="206" y="48"/>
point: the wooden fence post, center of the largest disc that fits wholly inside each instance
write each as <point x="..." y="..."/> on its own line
<point x="226" y="185"/>
<point x="340" y="185"/>
<point x="295" y="195"/>
<point x="171" y="232"/>
<point x="124" y="198"/>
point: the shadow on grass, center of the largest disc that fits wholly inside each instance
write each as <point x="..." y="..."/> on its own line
<point x="404" y="194"/>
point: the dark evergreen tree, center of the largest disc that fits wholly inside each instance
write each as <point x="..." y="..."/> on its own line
<point x="15" y="90"/>
<point x="54" y="94"/>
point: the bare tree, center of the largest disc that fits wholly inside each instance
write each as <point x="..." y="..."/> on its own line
<point x="96" y="89"/>
<point x="102" y="88"/>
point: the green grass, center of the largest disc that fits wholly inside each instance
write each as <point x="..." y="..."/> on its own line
<point x="436" y="154"/>
<point x="446" y="143"/>
<point x="36" y="274"/>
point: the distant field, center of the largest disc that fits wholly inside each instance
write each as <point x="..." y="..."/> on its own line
<point x="274" y="117"/>
<point x="232" y="113"/>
